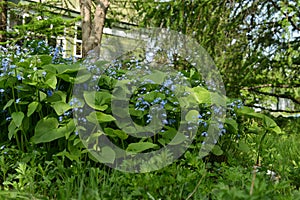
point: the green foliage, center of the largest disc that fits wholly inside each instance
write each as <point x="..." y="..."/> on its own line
<point x="260" y="40"/>
<point x="36" y="20"/>
<point x="40" y="143"/>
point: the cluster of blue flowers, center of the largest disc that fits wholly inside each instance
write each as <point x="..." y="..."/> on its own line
<point x="236" y="104"/>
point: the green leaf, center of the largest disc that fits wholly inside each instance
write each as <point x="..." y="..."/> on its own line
<point x="268" y="123"/>
<point x="17" y="118"/>
<point x="217" y="150"/>
<point x="47" y="130"/>
<point x="192" y="116"/>
<point x="201" y="95"/>
<point x="57" y="96"/>
<point x="119" y="133"/>
<point x="106" y="155"/>
<point x="32" y="107"/>
<point x="140" y="146"/>
<point x="45" y="59"/>
<point x="83" y="77"/>
<point x="178" y="139"/>
<point x="61" y="107"/>
<point x="63" y="69"/>
<point x="243" y="147"/>
<point x="96" y="117"/>
<point x="97" y="100"/>
<point x="12" y="130"/>
<point x="68" y="155"/>
<point x="102" y="117"/>
<point x="217" y="99"/>
<point x="42" y="95"/>
<point x="51" y="80"/>
<point x="9" y="103"/>
<point x="232" y="124"/>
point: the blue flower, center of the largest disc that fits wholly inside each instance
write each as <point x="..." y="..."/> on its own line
<point x="2" y="90"/>
<point x="167" y="83"/>
<point x="165" y="121"/>
<point x="49" y="93"/>
<point x="18" y="100"/>
<point x="19" y="77"/>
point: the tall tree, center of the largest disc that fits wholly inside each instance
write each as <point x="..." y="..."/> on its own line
<point x="254" y="43"/>
<point x="92" y="24"/>
<point x="3" y="19"/>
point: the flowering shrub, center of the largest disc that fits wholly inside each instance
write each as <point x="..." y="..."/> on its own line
<point x="32" y="92"/>
<point x="37" y="104"/>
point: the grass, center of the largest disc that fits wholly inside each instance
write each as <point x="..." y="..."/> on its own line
<point x="29" y="176"/>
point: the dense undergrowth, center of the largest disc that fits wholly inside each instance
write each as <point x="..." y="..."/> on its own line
<point x="43" y="157"/>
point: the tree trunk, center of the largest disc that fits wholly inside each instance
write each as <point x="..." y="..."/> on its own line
<point x="3" y="19"/>
<point x="92" y="25"/>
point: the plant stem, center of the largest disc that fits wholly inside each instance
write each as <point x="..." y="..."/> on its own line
<point x="195" y="189"/>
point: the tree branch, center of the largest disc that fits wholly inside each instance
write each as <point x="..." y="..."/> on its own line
<point x="289" y="18"/>
<point x="273" y="110"/>
<point x="277" y="95"/>
<point x="270" y="85"/>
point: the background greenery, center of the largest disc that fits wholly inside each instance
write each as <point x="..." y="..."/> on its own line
<point x="42" y="157"/>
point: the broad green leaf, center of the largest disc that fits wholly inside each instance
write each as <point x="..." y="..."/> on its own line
<point x="92" y="117"/>
<point x="232" y="124"/>
<point x="250" y="112"/>
<point x="51" y="80"/>
<point x="192" y="116"/>
<point x="96" y="117"/>
<point x="106" y="155"/>
<point x="12" y="130"/>
<point x="217" y="150"/>
<point x="201" y="95"/>
<point x="178" y="139"/>
<point x="50" y="68"/>
<point x="32" y="108"/>
<point x="63" y="69"/>
<point x="57" y="96"/>
<point x="61" y="107"/>
<point x="42" y="95"/>
<point x="217" y="99"/>
<point x="44" y="59"/>
<point x="268" y="123"/>
<point x="119" y="133"/>
<point x="47" y="130"/>
<point x="169" y="134"/>
<point x="17" y="117"/>
<point x="140" y="146"/>
<point x="97" y="100"/>
<point x="66" y="77"/>
<point x="9" y="103"/>
<point x="82" y="77"/>
<point x="102" y="117"/>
